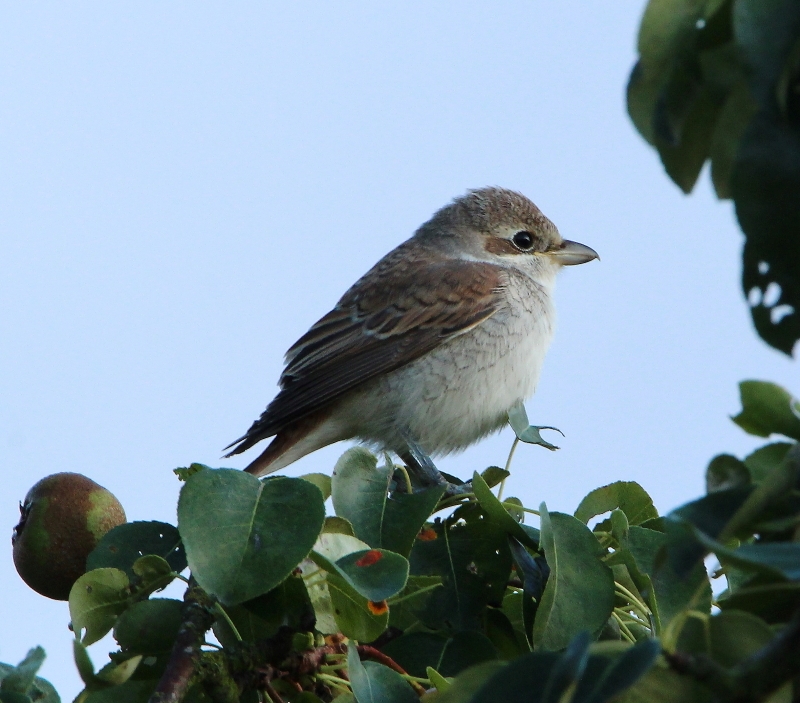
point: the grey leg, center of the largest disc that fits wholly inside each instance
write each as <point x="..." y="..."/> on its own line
<point x="421" y="466"/>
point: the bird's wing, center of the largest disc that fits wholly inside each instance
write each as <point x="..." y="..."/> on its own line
<point x="396" y="313"/>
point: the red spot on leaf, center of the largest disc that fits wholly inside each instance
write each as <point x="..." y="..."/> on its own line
<point x="427" y="535"/>
<point x="377" y="607"/>
<point x="369" y="558"/>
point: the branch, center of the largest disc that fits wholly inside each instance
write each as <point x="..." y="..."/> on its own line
<point x="196" y="621"/>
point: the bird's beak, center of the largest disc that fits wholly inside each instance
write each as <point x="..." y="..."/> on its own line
<point x="570" y="253"/>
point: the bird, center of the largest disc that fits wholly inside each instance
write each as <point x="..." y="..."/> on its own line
<point x="428" y="351"/>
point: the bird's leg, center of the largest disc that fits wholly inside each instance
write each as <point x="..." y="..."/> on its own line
<point x="422" y="468"/>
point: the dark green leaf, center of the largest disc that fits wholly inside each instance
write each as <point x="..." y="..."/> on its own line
<point x="606" y="680"/>
<point x="726" y="471"/>
<point x="448" y="655"/>
<point x="495" y="510"/>
<point x="773" y="602"/>
<point x="502" y="634"/>
<point x="149" y="627"/>
<point x="673" y="591"/>
<point x="96" y="600"/>
<point x="568" y="668"/>
<point x="734" y="117"/>
<point x="360" y="494"/>
<point x="728" y="638"/>
<point x="579" y="594"/>
<point x="375" y="683"/>
<point x="123" y="545"/>
<point x="463" y="689"/>
<point x="628" y="496"/>
<point x="470" y="554"/>
<point x="766" y="459"/>
<point x="244" y="536"/>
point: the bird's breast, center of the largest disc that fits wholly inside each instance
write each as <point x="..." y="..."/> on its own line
<point x="462" y="390"/>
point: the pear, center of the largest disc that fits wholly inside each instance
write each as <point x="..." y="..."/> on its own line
<point x="61" y="521"/>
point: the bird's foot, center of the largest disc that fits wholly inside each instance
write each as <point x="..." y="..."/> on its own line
<point x="421" y="467"/>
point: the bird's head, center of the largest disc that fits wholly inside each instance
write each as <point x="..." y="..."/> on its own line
<point x="503" y="227"/>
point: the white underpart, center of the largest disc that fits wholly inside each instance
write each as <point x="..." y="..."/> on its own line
<point x="457" y="393"/>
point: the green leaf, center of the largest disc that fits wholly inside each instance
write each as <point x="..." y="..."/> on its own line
<point x="768" y="409"/>
<point x="726" y="471"/>
<point x="672" y="592"/>
<point x="375" y="683"/>
<point x="39" y="690"/>
<point x="728" y="638"/>
<point x="123" y="545"/>
<point x="494" y="475"/>
<point x="96" y="600"/>
<point x="781" y="559"/>
<point x="764" y="184"/>
<point x="463" y="688"/>
<point x="360" y="494"/>
<point x="149" y="627"/>
<point x="20" y="679"/>
<point x="471" y="555"/>
<point x="735" y="116"/>
<point x="321" y="481"/>
<point x="286" y="604"/>
<point x="131" y="691"/>
<point x="579" y="594"/>
<point x="628" y="496"/>
<point x="83" y="662"/>
<point x="773" y="602"/>
<point x="244" y="536"/>
<point x="666" y="43"/>
<point x="518" y="419"/>
<point x="568" y="669"/>
<point x="356" y="617"/>
<point x="411" y="600"/>
<point x="377" y="574"/>
<point x="684" y="159"/>
<point x="766" y="459"/>
<point x="448" y="655"/>
<point x="497" y="512"/>
<point x="605" y="680"/>
<point x="332" y="546"/>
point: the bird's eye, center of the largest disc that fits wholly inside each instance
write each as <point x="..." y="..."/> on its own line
<point x="523" y="240"/>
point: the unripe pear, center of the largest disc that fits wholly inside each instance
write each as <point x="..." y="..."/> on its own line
<point x="61" y="521"/>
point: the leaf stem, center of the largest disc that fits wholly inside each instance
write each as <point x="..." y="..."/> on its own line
<point x="508" y="467"/>
<point x="221" y="611"/>
<point x="404" y="471"/>
<point x="407" y="596"/>
<point x="514" y="506"/>
<point x="626" y="633"/>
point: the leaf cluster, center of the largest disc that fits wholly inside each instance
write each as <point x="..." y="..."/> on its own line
<point x="719" y="81"/>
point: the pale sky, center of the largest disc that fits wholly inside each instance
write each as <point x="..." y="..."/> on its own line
<point x="186" y="187"/>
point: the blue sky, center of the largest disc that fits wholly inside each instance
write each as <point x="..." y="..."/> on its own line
<point x="186" y="187"/>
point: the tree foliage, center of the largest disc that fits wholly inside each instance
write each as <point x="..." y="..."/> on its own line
<point x="458" y="599"/>
<point x="719" y="81"/>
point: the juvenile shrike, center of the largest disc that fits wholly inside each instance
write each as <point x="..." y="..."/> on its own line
<point x="433" y="345"/>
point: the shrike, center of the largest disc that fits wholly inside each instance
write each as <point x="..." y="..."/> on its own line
<point x="431" y="348"/>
